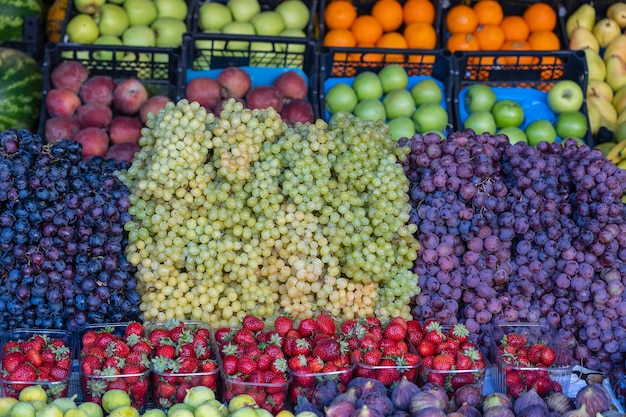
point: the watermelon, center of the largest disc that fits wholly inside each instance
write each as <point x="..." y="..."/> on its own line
<point x="21" y="90"/>
<point x="12" y="13"/>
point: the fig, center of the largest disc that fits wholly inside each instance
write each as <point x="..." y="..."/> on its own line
<point x="401" y="394"/>
<point x="578" y="412"/>
<point x="610" y="413"/>
<point x="340" y="409"/>
<point x="324" y="392"/>
<point x="438" y="392"/>
<point x="422" y="400"/>
<point x="595" y="397"/>
<point x="496" y="399"/>
<point x="498" y="411"/>
<point x="348" y="396"/>
<point x="559" y="402"/>
<point x="468" y="410"/>
<point x="366" y="385"/>
<point x="365" y="411"/>
<point x="535" y="410"/>
<point x="399" y="413"/>
<point x="303" y="404"/>
<point x="527" y="399"/>
<point x="429" y="412"/>
<point x="455" y="414"/>
<point x="471" y="394"/>
<point x="376" y="400"/>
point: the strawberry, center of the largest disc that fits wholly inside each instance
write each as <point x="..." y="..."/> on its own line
<point x="302" y="347"/>
<point x="307" y="327"/>
<point x="372" y="357"/>
<point x="253" y="323"/>
<point x="23" y="372"/>
<point x="394" y="331"/>
<point x="392" y="351"/>
<point x="434" y="333"/>
<point x="548" y="357"/>
<point x="230" y="364"/>
<point x="515" y="390"/>
<point x="165" y="390"/>
<point x="436" y="378"/>
<point x="425" y="348"/>
<point x="534" y="353"/>
<point x="464" y="362"/>
<point x="543" y="386"/>
<point x="513" y="339"/>
<point x="348" y="327"/>
<point x="58" y="373"/>
<point x="283" y="324"/>
<point x="443" y="362"/>
<point x="90" y="364"/>
<point x="89" y="338"/>
<point x="459" y="332"/>
<point x="329" y="349"/>
<point x="458" y="380"/>
<point x="188" y="365"/>
<point x="274" y="351"/>
<point x="156" y="336"/>
<point x="244" y="336"/>
<point x="34" y="357"/>
<point x="264" y="361"/>
<point x="165" y="351"/>
<point x="368" y="341"/>
<point x="133" y="328"/>
<point x="326" y="324"/>
<point x="555" y="386"/>
<point x="390" y="373"/>
<point x="222" y="335"/>
<point x="246" y="365"/>
<point x="11" y="360"/>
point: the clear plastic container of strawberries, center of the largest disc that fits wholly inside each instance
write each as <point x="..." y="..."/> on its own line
<point x="530" y="356"/>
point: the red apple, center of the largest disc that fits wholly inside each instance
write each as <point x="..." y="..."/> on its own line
<point x="58" y="128"/>
<point x="95" y="141"/>
<point x="125" y="129"/>
<point x="69" y="75"/>
<point x="94" y="115"/>
<point x="205" y="91"/>
<point x="153" y="105"/>
<point x="292" y="85"/>
<point x="235" y="82"/>
<point x="129" y="95"/>
<point x="264" y="96"/>
<point x="297" y="110"/>
<point x="122" y="151"/>
<point x="61" y="102"/>
<point x="98" y="89"/>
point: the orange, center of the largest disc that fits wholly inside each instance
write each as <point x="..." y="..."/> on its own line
<point x="418" y="11"/>
<point x="490" y="37"/>
<point x="489" y="12"/>
<point x="339" y="37"/>
<point x="544" y="40"/>
<point x="388" y="13"/>
<point x="540" y="16"/>
<point x="463" y="42"/>
<point x="461" y="18"/>
<point x="515" y="28"/>
<point x="420" y="35"/>
<point x="392" y="40"/>
<point x="339" y="14"/>
<point x="366" y="29"/>
<point x="517" y="59"/>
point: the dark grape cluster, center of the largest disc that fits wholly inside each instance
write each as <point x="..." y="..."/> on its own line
<point x="521" y="233"/>
<point x="62" y="238"/>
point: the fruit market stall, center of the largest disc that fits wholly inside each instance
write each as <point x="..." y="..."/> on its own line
<point x="334" y="208"/>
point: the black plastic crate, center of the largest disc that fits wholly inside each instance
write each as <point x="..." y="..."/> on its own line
<point x="32" y="42"/>
<point x="157" y="68"/>
<point x="509" y="8"/>
<point x="266" y="5"/>
<point x="71" y="12"/>
<point x="538" y="71"/>
<point x="569" y="6"/>
<point x="205" y="54"/>
<point x="343" y="64"/>
<point x="365" y="6"/>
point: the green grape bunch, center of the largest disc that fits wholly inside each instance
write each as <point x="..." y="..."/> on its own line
<point x="238" y="213"/>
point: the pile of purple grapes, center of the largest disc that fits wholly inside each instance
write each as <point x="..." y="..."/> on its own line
<point x="520" y="233"/>
<point x="62" y="237"/>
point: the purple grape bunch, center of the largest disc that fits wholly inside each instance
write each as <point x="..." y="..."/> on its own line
<point x="521" y="233"/>
<point x="62" y="237"/>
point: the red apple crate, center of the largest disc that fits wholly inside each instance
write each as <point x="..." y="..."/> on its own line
<point x="178" y="383"/>
<point x="94" y="386"/>
<point x="560" y="372"/>
<point x="54" y="389"/>
<point x="263" y="57"/>
<point x="156" y="68"/>
<point x="524" y="77"/>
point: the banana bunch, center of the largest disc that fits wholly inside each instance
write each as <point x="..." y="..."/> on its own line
<point x="604" y="44"/>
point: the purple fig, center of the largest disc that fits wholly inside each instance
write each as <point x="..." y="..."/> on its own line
<point x="498" y="411"/>
<point x="366" y="385"/>
<point x="559" y="402"/>
<point x="340" y="409"/>
<point x="471" y="394"/>
<point x="401" y="394"/>
<point x="438" y="392"/>
<point x="376" y="400"/>
<point x="422" y="400"/>
<point x="303" y="404"/>
<point x="468" y="410"/>
<point x="348" y="396"/>
<point x="324" y="392"/>
<point x="496" y="399"/>
<point x="528" y="399"/>
<point x="595" y="397"/>
<point x="429" y="412"/>
<point x="365" y="411"/>
<point x="535" y="410"/>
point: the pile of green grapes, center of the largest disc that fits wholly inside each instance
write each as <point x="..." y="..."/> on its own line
<point x="239" y="214"/>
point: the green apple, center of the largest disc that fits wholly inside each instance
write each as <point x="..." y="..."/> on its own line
<point x="172" y="8"/>
<point x="340" y="97"/>
<point x="480" y="122"/>
<point x="141" y="12"/>
<point x="295" y="13"/>
<point x="169" y="32"/>
<point x="243" y="10"/>
<point x="295" y="51"/>
<point x="393" y="77"/>
<point x="139" y="35"/>
<point x="401" y="127"/>
<point x="262" y="54"/>
<point x="479" y="97"/>
<point x="367" y="85"/>
<point x="565" y="95"/>
<point x="107" y="54"/>
<point x="426" y="91"/>
<point x="430" y="117"/>
<point x="507" y="113"/>
<point x="88" y="6"/>
<point x="82" y="28"/>
<point x="213" y="16"/>
<point x="111" y="19"/>
<point x="370" y="109"/>
<point x="540" y="131"/>
<point x="238" y="28"/>
<point x="515" y="134"/>
<point x="268" y="23"/>
<point x="571" y="124"/>
<point x="399" y="102"/>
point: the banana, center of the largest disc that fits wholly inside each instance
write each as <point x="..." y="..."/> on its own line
<point x="622" y="164"/>
<point x="617" y="152"/>
<point x="605" y="147"/>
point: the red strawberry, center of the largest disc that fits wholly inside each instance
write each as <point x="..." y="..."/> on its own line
<point x="89" y="338"/>
<point x="230" y="364"/>
<point x="514" y="390"/>
<point x="543" y="386"/>
<point x="434" y="333"/>
<point x="425" y="348"/>
<point x="11" y="360"/>
<point x="90" y="364"/>
<point x="253" y="323"/>
<point x="443" y="362"/>
<point x="395" y="331"/>
<point x="461" y="379"/>
<point x="282" y="325"/>
<point x="246" y="365"/>
<point x="372" y="357"/>
<point x="368" y="341"/>
<point x="188" y="365"/>
<point x="555" y="386"/>
<point x="534" y="353"/>
<point x="459" y="332"/>
<point x="273" y="351"/>
<point x="222" y="335"/>
<point x="329" y="349"/>
<point x="348" y="327"/>
<point x="264" y="361"/>
<point x="392" y="351"/>
<point x="326" y="324"/>
<point x="548" y="357"/>
<point x="23" y="372"/>
<point x="436" y="378"/>
<point x="301" y="347"/>
<point x="166" y="390"/>
<point x="244" y="336"/>
<point x="34" y="357"/>
<point x="513" y="339"/>
<point x="464" y="362"/>
<point x="166" y="351"/>
<point x="134" y="328"/>
<point x="307" y="327"/>
<point x="389" y="374"/>
<point x="59" y="374"/>
<point x="156" y="336"/>
<point x="104" y="339"/>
